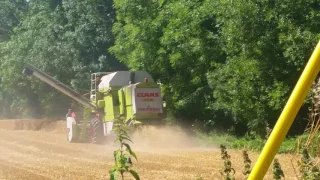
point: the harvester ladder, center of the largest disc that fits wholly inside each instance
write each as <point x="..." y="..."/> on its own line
<point x="93" y="92"/>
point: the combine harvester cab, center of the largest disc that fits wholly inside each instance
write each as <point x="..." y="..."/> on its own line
<point x="133" y="96"/>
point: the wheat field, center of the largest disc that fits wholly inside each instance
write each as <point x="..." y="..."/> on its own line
<point x="37" y="150"/>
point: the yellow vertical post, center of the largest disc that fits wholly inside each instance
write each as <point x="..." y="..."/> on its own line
<point x="287" y="116"/>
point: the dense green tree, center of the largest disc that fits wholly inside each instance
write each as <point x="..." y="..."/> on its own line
<point x="175" y="41"/>
<point x="267" y="44"/>
<point x="65" y="39"/>
<point x="11" y="13"/>
<point x="249" y="54"/>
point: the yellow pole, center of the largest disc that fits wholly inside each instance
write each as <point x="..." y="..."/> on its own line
<point x="287" y="116"/>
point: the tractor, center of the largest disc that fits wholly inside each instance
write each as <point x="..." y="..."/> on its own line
<point x="132" y="96"/>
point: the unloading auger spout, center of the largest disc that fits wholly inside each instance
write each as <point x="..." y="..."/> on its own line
<point x="31" y="70"/>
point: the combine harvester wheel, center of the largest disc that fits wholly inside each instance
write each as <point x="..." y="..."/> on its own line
<point x="97" y="136"/>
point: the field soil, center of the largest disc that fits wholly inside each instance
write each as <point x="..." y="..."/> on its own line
<point x="35" y="149"/>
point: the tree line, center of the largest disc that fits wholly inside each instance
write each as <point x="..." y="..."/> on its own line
<point x="230" y="64"/>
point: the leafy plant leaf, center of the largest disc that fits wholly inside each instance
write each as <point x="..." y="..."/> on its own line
<point x="113" y="175"/>
<point x="134" y="174"/>
<point x="130" y="151"/>
<point x="115" y="155"/>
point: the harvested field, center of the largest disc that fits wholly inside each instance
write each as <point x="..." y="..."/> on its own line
<point x="39" y="150"/>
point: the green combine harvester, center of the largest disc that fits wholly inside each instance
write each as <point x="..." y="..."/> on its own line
<point x="133" y="96"/>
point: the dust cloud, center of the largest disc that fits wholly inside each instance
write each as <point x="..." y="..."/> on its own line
<point x="164" y="138"/>
<point x="146" y="138"/>
<point x="33" y="125"/>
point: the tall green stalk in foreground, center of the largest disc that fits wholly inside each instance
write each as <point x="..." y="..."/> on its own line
<point x="124" y="154"/>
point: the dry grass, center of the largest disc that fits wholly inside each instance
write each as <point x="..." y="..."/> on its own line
<point x="162" y="153"/>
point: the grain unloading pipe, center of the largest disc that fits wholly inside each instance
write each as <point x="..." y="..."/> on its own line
<point x="287" y="116"/>
<point x="31" y="70"/>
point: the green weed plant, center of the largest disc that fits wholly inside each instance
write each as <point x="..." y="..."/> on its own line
<point x="247" y="163"/>
<point x="227" y="171"/>
<point x="278" y="173"/>
<point x="123" y="155"/>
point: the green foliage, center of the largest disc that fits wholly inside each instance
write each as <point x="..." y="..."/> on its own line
<point x="227" y="171"/>
<point x="308" y="170"/>
<point x="216" y="62"/>
<point x="289" y="145"/>
<point x="67" y="40"/>
<point x="122" y="156"/>
<point x="171" y="40"/>
<point x="260" y="69"/>
<point x="276" y="170"/>
<point x="11" y="13"/>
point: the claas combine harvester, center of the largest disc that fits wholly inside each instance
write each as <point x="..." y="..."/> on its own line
<point x="133" y="96"/>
